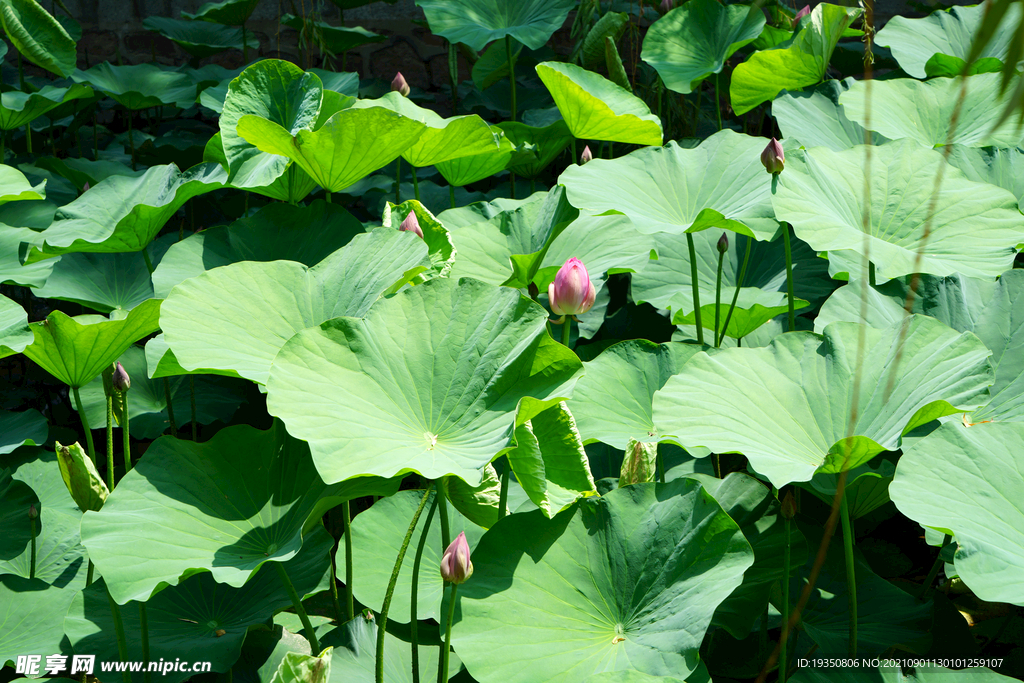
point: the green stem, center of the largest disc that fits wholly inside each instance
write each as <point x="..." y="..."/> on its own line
<point x="503" y="493"/>
<point x="453" y="75"/>
<point x="32" y="557"/>
<point x="696" y="292"/>
<point x="415" y="183"/>
<point x="785" y="605"/>
<point x="122" y="644"/>
<point x="736" y="294"/>
<point x="451" y="193"/>
<point x="144" y="632"/>
<point x="717" y="461"/>
<point x="382" y="626"/>
<point x="346" y="516"/>
<point x="442" y="674"/>
<point x="718" y="104"/>
<point x="934" y="571"/>
<point x="334" y="591"/>
<point x="110" y="443"/>
<point x="192" y="395"/>
<point x="85" y="424"/>
<point x="327" y="196"/>
<point x="28" y="137"/>
<point x="659" y="464"/>
<point x="575" y="157"/>
<point x="871" y="274"/>
<point x="511" y="72"/>
<point x="149" y="263"/>
<point x="170" y="408"/>
<point x="414" y="594"/>
<point x="125" y="436"/>
<point x="851" y="577"/>
<point x="299" y="609"/>
<point x="718" y="297"/>
<point x="442" y="496"/>
<point x="398" y="180"/>
<point x="567" y="331"/>
<point x="88" y="574"/>
<point x="789" y="277"/>
<point x="131" y="138"/>
<point x="696" y="113"/>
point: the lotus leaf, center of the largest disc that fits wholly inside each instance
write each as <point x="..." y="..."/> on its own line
<point x="814" y="118"/>
<point x="333" y="39"/>
<point x="25" y="427"/>
<point x="19" y="108"/>
<point x="14" y="186"/>
<point x="478" y="22"/>
<point x="229" y="12"/>
<point x="38" y="609"/>
<point x="201" y="38"/>
<point x="15" y="334"/>
<point x="465" y="170"/>
<point x="37" y="36"/>
<point x="140" y="86"/>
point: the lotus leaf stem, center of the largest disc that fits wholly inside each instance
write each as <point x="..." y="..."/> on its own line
<point x="934" y="571"/>
<point x="307" y="626"/>
<point x="346" y="516"/>
<point x="718" y="298"/>
<point x="338" y="614"/>
<point x="131" y="139"/>
<point x="718" y="103"/>
<point x="503" y="493"/>
<point x="451" y="193"/>
<point x="567" y="331"/>
<point x="851" y="577"/>
<point x="192" y="396"/>
<point x="414" y="594"/>
<point x="327" y="196"/>
<point x="110" y="442"/>
<point x="696" y="113"/>
<point x="122" y="644"/>
<point x="442" y="672"/>
<point x="696" y="291"/>
<point x="125" y="437"/>
<point x="144" y="633"/>
<point x="398" y="180"/>
<point x="786" y="559"/>
<point x="32" y="549"/>
<point x="453" y="75"/>
<point x="871" y="274"/>
<point x="789" y="277"/>
<point x="149" y="263"/>
<point x="88" y="573"/>
<point x="85" y="424"/>
<point x="736" y="293"/>
<point x="382" y="626"/>
<point x="511" y="72"/>
<point x="442" y="496"/>
<point x="170" y="408"/>
<point x="415" y="182"/>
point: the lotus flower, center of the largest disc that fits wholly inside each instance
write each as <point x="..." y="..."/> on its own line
<point x="121" y="380"/>
<point x="411" y="224"/>
<point x="399" y="85"/>
<point x="572" y="292"/>
<point x="455" y="564"/>
<point x="723" y="243"/>
<point x="586" y="156"/>
<point x="667" y="6"/>
<point x="773" y="157"/>
<point x="801" y="14"/>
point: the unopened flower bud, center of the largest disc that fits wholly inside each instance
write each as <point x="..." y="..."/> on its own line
<point x="399" y="85"/>
<point x="586" y="156"/>
<point x="85" y="188"/>
<point x="667" y="6"/>
<point x="411" y="224"/>
<point x="773" y="157"/>
<point x="572" y="292"/>
<point x="455" y="564"/>
<point x="788" y="506"/>
<point x="723" y="243"/>
<point x="80" y="476"/>
<point x="33" y="513"/>
<point x="801" y="14"/>
<point x="121" y="381"/>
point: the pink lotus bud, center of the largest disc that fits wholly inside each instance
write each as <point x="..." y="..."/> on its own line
<point x="801" y="14"/>
<point x="399" y="85"/>
<point x="455" y="565"/>
<point x="572" y="292"/>
<point x="411" y="224"/>
<point x="586" y="156"/>
<point x="85" y="188"/>
<point x="773" y="158"/>
<point x="723" y="243"/>
<point x="667" y="6"/>
<point x="121" y="381"/>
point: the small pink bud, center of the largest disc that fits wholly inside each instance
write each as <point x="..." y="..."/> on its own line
<point x="572" y="292"/>
<point x="411" y="224"/>
<point x="801" y="14"/>
<point x="399" y="85"/>
<point x="667" y="6"/>
<point x="32" y="512"/>
<point x="586" y="156"/>
<point x="723" y="243"/>
<point x="773" y="157"/>
<point x="121" y="381"/>
<point x="85" y="188"/>
<point x="455" y="565"/>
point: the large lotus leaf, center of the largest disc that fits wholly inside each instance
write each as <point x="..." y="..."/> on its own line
<point x="37" y="36"/>
<point x="945" y="32"/>
<point x="693" y="41"/>
<point x="628" y="580"/>
<point x="332" y="39"/>
<point x="465" y="170"/>
<point x="478" y="22"/>
<point x="19" y="428"/>
<point x="354" y="656"/>
<point x="719" y="184"/>
<point x="201" y="38"/>
<point x="921" y="111"/>
<point x="219" y="320"/>
<point x="18" y="108"/>
<point x="967" y="481"/>
<point x="442" y="249"/>
<point x="605" y="244"/>
<point x="540" y="144"/>
<point x="275" y="90"/>
<point x="867" y="487"/>
<point x="787" y="406"/>
<point x="32" y="612"/>
<point x="14" y="186"/>
<point x="896" y="674"/>
<point x="442" y="139"/>
<point x="217" y="398"/>
<point x="140" y="86"/>
<point x="343" y="82"/>
<point x="350" y="145"/>
<point x="666" y="282"/>
<point x="814" y="118"/>
<point x="15" y="334"/>
<point x="612" y="402"/>
<point x="291" y="185"/>
<point x="243" y="498"/>
<point x="998" y="166"/>
<point x="276" y="232"/>
<point x="74" y="350"/>
<point x="81" y="171"/>
<point x="60" y="557"/>
<point x="228" y="12"/>
<point x="792" y="65"/>
<point x="206" y="619"/>
<point x="377" y="536"/>
<point x="594" y="108"/>
<point x="123" y="213"/>
<point x="974" y="231"/>
<point x="437" y="372"/>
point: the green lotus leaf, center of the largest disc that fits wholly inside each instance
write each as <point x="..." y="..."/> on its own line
<point x="492" y="66"/>
<point x="975" y="228"/>
<point x="442" y="139"/>
<point x="14" y="186"/>
<point x="74" y="350"/>
<point x="594" y="108"/>
<point x="466" y="170"/>
<point x="814" y="118"/>
<point x="245" y="497"/>
<point x="956" y="480"/>
<point x="590" y="52"/>
<point x="11" y="268"/>
<point x="333" y="39"/>
<point x="721" y="184"/>
<point x="38" y="609"/>
<point x="228" y="12"/>
<point x="377" y="536"/>
<point x="37" y="36"/>
<point x="81" y="171"/>
<point x="579" y="608"/>
<point x="277" y="91"/>
<point x="291" y="186"/>
<point x="299" y="668"/>
<point x="867" y="487"/>
<point x="997" y="166"/>
<point x="20" y="428"/>
<point x="219" y="320"/>
<point x="123" y="213"/>
<point x="612" y="402"/>
<point x="479" y="504"/>
<point x="792" y="65"/>
<point x="895" y="674"/>
<point x="719" y="402"/>
<point x="161" y="362"/>
<point x="343" y="82"/>
<point x="350" y="145"/>
<point x="438" y="239"/>
<point x="140" y="86"/>
<point x="921" y="111"/>
<point x="15" y="334"/>
<point x="201" y="38"/>
<point x="945" y="32"/>
<point x="217" y="398"/>
<point x="354" y="655"/>
<point x="437" y="372"/>
<point x="478" y="22"/>
<point x="991" y="310"/>
<point x="19" y="108"/>
<point x="207" y="619"/>
<point x="543" y="144"/>
<point x="693" y="41"/>
<point x="605" y="244"/>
